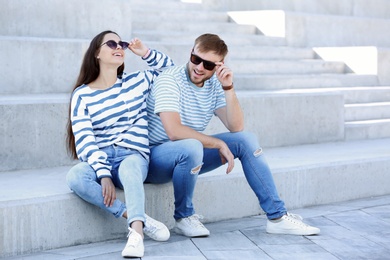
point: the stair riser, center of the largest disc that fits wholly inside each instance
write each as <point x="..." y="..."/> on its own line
<point x="37" y="131"/>
<point x="42" y="225"/>
<point x="275" y="82"/>
<point x="287" y="67"/>
<point x="370" y="130"/>
<point x="57" y="19"/>
<point x="359" y="113"/>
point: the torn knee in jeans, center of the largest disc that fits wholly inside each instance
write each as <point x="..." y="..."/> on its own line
<point x="258" y="152"/>
<point x="196" y="170"/>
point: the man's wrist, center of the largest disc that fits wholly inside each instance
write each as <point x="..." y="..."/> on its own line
<point x="225" y="88"/>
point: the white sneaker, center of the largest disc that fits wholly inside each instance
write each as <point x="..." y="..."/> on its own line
<point x="134" y="246"/>
<point x="156" y="230"/>
<point x="191" y="227"/>
<point x="290" y="225"/>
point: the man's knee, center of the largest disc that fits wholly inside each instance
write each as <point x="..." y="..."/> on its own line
<point x="192" y="148"/>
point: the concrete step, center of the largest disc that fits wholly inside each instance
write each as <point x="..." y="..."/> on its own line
<point x="43" y="18"/>
<point x="36" y="124"/>
<point x="303" y="29"/>
<point x="367" y="129"/>
<point x="156" y="15"/>
<point x="275" y="82"/>
<point x="358" y="8"/>
<point x="62" y="57"/>
<point x="41" y="213"/>
<point x="44" y="65"/>
<point x="367" y="111"/>
<point x="325" y="30"/>
<point x="281" y="67"/>
<point x="255" y="52"/>
<point x="166" y="5"/>
<point x="195" y="27"/>
<point x="189" y="37"/>
<point x="357" y="95"/>
<point x="360" y="94"/>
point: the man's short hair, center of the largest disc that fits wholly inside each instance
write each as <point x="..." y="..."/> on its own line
<point x="211" y="42"/>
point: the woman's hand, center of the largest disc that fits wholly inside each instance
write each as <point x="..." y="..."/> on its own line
<point x="138" y="47"/>
<point x="109" y="193"/>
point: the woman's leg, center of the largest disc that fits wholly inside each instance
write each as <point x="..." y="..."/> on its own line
<point x="83" y="181"/>
<point x="132" y="174"/>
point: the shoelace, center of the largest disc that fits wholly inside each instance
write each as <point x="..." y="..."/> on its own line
<point x="296" y="221"/>
<point x="132" y="240"/>
<point x="150" y="225"/>
<point x="296" y="216"/>
<point x="194" y="220"/>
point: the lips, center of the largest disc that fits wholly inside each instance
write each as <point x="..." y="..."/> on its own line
<point x="197" y="73"/>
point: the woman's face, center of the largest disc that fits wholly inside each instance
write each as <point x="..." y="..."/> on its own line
<point x="111" y="56"/>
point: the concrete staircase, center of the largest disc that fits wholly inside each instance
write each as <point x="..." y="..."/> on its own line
<point x="324" y="126"/>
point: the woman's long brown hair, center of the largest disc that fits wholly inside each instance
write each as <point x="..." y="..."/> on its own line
<point x="89" y="72"/>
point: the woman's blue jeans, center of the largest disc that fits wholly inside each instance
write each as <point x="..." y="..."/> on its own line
<point x="129" y="170"/>
<point x="179" y="161"/>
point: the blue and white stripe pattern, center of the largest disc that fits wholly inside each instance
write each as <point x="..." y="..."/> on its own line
<point x="114" y="116"/>
<point x="174" y="92"/>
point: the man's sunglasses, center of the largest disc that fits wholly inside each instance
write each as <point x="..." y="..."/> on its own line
<point x="208" y="65"/>
<point x="113" y="44"/>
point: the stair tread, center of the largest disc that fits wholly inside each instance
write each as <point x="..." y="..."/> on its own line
<point x="43" y="183"/>
<point x="369" y="121"/>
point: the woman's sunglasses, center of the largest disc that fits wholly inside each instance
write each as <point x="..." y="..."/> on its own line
<point x="113" y="44"/>
<point x="208" y="65"/>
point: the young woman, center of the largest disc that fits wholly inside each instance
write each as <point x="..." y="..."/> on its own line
<point x="107" y="132"/>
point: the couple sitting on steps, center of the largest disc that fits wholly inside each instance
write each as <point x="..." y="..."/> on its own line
<point x="146" y="126"/>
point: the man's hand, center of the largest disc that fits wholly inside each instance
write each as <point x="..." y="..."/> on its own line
<point x="109" y="193"/>
<point x="138" y="47"/>
<point x="226" y="156"/>
<point x="224" y="74"/>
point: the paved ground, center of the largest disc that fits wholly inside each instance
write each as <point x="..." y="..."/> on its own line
<point x="357" y="229"/>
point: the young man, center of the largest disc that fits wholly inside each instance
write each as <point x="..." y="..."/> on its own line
<point x="180" y="106"/>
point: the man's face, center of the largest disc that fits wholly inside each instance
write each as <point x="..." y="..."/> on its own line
<point x="197" y="72"/>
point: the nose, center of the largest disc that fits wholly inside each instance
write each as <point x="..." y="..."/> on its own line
<point x="200" y="66"/>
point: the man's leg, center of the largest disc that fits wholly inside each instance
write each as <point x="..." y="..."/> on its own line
<point x="245" y="147"/>
<point x="179" y="161"/>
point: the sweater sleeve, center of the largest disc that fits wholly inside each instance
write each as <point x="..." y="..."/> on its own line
<point x="86" y="146"/>
<point x="158" y="62"/>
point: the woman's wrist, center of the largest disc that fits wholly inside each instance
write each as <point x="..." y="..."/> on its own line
<point x="146" y="54"/>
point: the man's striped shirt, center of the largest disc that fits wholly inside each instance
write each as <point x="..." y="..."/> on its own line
<point x="116" y="115"/>
<point x="174" y="92"/>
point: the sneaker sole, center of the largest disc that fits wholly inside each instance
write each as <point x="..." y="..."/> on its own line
<point x="293" y="232"/>
<point x="180" y="232"/>
<point x="159" y="239"/>
<point x="132" y="255"/>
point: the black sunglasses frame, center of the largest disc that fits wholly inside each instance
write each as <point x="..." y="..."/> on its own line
<point x="113" y="44"/>
<point x="208" y="65"/>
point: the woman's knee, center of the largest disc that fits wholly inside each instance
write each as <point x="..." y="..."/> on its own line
<point x="78" y="173"/>
<point x="133" y="166"/>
